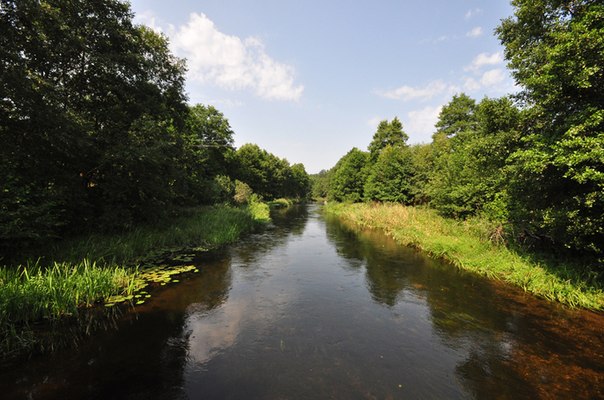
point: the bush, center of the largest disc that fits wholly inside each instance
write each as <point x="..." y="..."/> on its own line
<point x="243" y="192"/>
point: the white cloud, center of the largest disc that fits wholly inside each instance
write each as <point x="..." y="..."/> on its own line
<point x="225" y="103"/>
<point x="475" y="32"/>
<point x="470" y="84"/>
<point x="374" y="121"/>
<point x="492" y="77"/>
<point x="484" y="59"/>
<point x="420" y="123"/>
<point x="427" y="92"/>
<point x="473" y="12"/>
<point x="230" y="62"/>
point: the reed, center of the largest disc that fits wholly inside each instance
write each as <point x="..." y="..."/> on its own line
<point x="476" y="245"/>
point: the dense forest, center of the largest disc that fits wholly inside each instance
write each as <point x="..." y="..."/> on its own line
<point x="96" y="131"/>
<point x="532" y="161"/>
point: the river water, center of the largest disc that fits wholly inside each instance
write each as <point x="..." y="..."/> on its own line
<point x="312" y="309"/>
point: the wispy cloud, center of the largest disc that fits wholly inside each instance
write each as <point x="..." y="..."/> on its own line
<point x="485" y="59"/>
<point x="374" y="121"/>
<point x="228" y="61"/>
<point x="472" y="13"/>
<point x="407" y="93"/>
<point x="475" y="32"/>
<point x="420" y="123"/>
<point x="492" y="77"/>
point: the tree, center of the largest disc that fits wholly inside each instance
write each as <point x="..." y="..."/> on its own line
<point x="387" y="134"/>
<point x="472" y="146"/>
<point x="210" y="138"/>
<point x="320" y="184"/>
<point x="422" y="160"/>
<point x="269" y="175"/>
<point x="457" y="116"/>
<point x="349" y="176"/>
<point x="209" y="150"/>
<point x="390" y="177"/>
<point x="78" y="82"/>
<point x="299" y="186"/>
<point x="556" y="52"/>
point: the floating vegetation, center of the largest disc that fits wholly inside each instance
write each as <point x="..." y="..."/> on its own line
<point x="150" y="275"/>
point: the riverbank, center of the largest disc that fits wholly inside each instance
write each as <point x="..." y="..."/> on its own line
<point x="81" y="272"/>
<point x="471" y="245"/>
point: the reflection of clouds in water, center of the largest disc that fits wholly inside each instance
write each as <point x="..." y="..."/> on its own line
<point x="253" y="308"/>
<point x="212" y="333"/>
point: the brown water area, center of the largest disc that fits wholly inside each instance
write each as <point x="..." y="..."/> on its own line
<point x="312" y="309"/>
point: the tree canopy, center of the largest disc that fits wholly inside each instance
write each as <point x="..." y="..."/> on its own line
<point x="556" y="53"/>
<point x="96" y="133"/>
<point x="387" y="134"/>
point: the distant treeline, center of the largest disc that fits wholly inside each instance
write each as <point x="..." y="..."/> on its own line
<point x="95" y="131"/>
<point x="533" y="161"/>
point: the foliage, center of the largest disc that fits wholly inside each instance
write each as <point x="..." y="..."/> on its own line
<point x="208" y="139"/>
<point x="468" y="170"/>
<point x="79" y="82"/>
<point x="281" y="203"/>
<point x="457" y="117"/>
<point x="556" y="52"/>
<point x="389" y="178"/>
<point x="243" y="192"/>
<point x="298" y="186"/>
<point x="349" y="176"/>
<point x="320" y="184"/>
<point x="387" y="134"/>
<point x="422" y="161"/>
<point x="270" y="176"/>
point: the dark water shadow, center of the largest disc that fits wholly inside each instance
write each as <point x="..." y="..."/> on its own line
<point x="516" y="345"/>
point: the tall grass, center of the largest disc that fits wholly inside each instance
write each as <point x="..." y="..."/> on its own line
<point x="474" y="245"/>
<point x="84" y="271"/>
<point x="32" y="293"/>
<point x="202" y="227"/>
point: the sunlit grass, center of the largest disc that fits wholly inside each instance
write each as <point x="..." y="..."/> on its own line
<point x="475" y="245"/>
<point x="281" y="203"/>
<point x="206" y="227"/>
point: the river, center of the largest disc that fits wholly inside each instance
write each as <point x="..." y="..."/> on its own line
<point x="312" y="309"/>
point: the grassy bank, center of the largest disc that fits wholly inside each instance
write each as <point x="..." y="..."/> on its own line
<point x="205" y="227"/>
<point x="81" y="272"/>
<point x="472" y="245"/>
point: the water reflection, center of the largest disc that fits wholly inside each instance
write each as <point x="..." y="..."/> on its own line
<point x="311" y="308"/>
<point x="514" y="345"/>
<point x="260" y="297"/>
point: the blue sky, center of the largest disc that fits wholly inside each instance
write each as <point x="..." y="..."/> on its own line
<point x="309" y="80"/>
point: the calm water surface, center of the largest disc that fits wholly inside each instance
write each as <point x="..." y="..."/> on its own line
<point x="312" y="309"/>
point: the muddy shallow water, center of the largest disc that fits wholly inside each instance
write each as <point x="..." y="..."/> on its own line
<point x="313" y="309"/>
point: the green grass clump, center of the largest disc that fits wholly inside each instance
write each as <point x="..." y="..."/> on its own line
<point x="259" y="212"/>
<point x="475" y="245"/>
<point x="30" y="294"/>
<point x="281" y="203"/>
